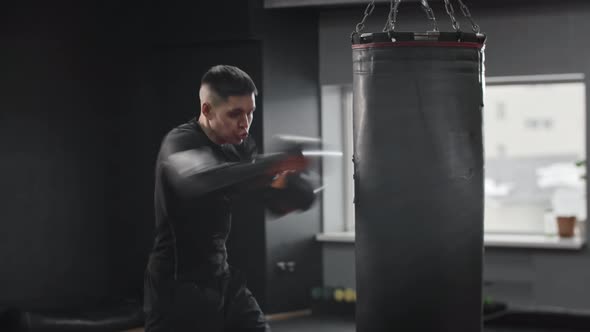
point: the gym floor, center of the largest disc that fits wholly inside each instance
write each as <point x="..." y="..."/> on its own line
<point x="338" y="324"/>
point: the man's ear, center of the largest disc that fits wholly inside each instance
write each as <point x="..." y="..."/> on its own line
<point x="206" y="110"/>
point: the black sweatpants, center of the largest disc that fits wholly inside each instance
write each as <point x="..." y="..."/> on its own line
<point x="218" y="305"/>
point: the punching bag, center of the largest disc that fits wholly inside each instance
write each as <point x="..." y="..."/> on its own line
<point x="418" y="172"/>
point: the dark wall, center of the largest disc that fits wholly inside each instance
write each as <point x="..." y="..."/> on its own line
<point x="527" y="38"/>
<point x="54" y="111"/>
<point x="292" y="107"/>
<point x="88" y="92"/>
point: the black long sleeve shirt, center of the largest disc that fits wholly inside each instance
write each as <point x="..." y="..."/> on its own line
<point x="194" y="183"/>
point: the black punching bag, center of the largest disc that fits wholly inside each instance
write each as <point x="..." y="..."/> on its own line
<point x="418" y="158"/>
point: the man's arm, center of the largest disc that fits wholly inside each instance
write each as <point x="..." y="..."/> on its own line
<point x="195" y="170"/>
<point x="289" y="192"/>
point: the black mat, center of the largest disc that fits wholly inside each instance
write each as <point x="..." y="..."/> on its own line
<point x="340" y="324"/>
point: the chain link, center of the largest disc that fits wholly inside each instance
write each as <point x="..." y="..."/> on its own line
<point x="467" y="14"/>
<point x="392" y="16"/>
<point x="429" y="13"/>
<point x="393" y="11"/>
<point x="368" y="11"/>
<point x="451" y="12"/>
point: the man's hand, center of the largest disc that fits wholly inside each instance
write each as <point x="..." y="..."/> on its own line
<point x="289" y="192"/>
<point x="292" y="163"/>
<point x="280" y="180"/>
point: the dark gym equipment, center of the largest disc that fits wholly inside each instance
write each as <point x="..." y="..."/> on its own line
<point x="418" y="169"/>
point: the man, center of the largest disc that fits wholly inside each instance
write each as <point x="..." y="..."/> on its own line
<point x="201" y="167"/>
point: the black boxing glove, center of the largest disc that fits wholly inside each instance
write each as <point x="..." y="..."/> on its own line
<point x="296" y="194"/>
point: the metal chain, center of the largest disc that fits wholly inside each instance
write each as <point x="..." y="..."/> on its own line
<point x="393" y="11"/>
<point x="368" y="11"/>
<point x="392" y="17"/>
<point x="429" y="13"/>
<point x="451" y="12"/>
<point x="467" y="14"/>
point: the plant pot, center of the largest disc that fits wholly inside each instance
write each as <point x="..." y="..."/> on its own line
<point x="566" y="225"/>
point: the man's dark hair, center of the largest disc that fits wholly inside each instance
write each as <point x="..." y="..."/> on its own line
<point x="225" y="81"/>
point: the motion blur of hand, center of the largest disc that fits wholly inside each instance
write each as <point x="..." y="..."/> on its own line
<point x="292" y="147"/>
<point x="289" y="191"/>
<point x="280" y="180"/>
<point x="291" y="163"/>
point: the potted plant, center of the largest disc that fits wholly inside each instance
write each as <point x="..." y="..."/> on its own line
<point x="566" y="181"/>
<point x="566" y="224"/>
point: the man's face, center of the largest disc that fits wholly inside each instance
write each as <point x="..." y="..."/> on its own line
<point x="231" y="119"/>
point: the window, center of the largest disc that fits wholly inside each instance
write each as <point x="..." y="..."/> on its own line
<point x="531" y="123"/>
<point x="538" y="123"/>
<point x="534" y="133"/>
<point x="531" y="153"/>
<point x="500" y="110"/>
<point x="336" y="118"/>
